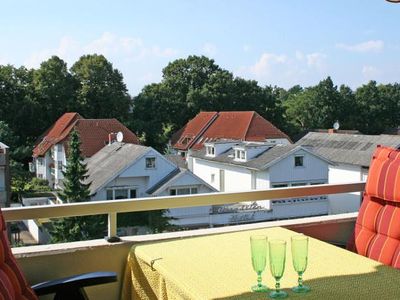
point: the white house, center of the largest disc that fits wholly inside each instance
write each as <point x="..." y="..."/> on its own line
<point x="122" y="171"/>
<point x="237" y="166"/>
<point x="350" y="155"/>
<point x="49" y="154"/>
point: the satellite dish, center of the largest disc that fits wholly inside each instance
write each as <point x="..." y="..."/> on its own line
<point x="336" y="125"/>
<point x="120" y="137"/>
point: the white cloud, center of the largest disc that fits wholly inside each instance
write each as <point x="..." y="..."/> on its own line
<point x="122" y="48"/>
<point x="287" y="70"/>
<point x="370" y="72"/>
<point x="209" y="49"/>
<point x="316" y="60"/>
<point x="368" y="46"/>
<point x="247" y="48"/>
<point x="266" y="63"/>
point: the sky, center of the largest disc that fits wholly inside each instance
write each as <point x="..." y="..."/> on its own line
<point x="275" y="42"/>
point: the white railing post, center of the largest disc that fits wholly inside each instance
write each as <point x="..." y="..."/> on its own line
<point x="112" y="228"/>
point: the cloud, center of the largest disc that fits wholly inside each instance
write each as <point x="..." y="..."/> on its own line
<point x="370" y="72"/>
<point x="368" y="46"/>
<point x="266" y="63"/>
<point x="209" y="49"/>
<point x="247" y="48"/>
<point x="287" y="70"/>
<point x="126" y="49"/>
<point x="316" y="60"/>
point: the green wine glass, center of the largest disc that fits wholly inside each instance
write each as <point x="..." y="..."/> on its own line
<point x="300" y="259"/>
<point x="277" y="259"/>
<point x="258" y="244"/>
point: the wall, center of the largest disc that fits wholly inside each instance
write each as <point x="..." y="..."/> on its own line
<point x="314" y="169"/>
<point x="138" y="169"/>
<point x="40" y="234"/>
<point x="236" y="178"/>
<point x="343" y="203"/>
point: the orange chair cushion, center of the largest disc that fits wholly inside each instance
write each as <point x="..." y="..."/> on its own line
<point x="377" y="230"/>
<point x="12" y="282"/>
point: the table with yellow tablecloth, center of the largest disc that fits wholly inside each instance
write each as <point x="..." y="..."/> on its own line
<point x="219" y="267"/>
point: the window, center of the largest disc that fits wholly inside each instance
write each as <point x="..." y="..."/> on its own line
<point x="60" y="165"/>
<point x="40" y="161"/>
<point x="298" y="184"/>
<point x="298" y="161"/>
<point x="212" y="178"/>
<point x="120" y="193"/>
<point x="183" y="191"/>
<point x="210" y="151"/>
<point x="279" y="185"/>
<point x="150" y="162"/>
<point x="59" y="147"/>
<point x="40" y="176"/>
<point x="240" y="154"/>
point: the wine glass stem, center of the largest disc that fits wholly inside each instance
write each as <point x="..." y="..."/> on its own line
<point x="259" y="280"/>
<point x="277" y="286"/>
<point x="300" y="280"/>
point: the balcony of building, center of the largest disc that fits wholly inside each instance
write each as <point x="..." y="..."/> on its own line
<point x="45" y="262"/>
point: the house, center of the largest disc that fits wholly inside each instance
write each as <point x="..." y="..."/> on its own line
<point x="231" y="166"/>
<point x="124" y="170"/>
<point x="350" y="155"/>
<point x="233" y="125"/>
<point x="49" y="153"/>
<point x="5" y="184"/>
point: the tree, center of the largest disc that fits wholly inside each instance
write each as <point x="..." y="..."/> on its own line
<point x="55" y="89"/>
<point x="101" y="92"/>
<point x="192" y="85"/>
<point x="76" y="228"/>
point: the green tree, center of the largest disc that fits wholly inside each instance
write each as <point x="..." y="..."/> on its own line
<point x="192" y="85"/>
<point x="54" y="89"/>
<point x="75" y="190"/>
<point x="101" y="91"/>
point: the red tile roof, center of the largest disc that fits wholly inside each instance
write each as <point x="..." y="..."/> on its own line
<point x="234" y="125"/>
<point x="93" y="134"/>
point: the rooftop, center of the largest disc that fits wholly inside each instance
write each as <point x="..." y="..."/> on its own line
<point x="354" y="149"/>
<point x="234" y="125"/>
<point x="93" y="134"/>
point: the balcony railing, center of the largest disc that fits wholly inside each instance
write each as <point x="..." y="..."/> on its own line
<point x="45" y="262"/>
<point x="112" y="207"/>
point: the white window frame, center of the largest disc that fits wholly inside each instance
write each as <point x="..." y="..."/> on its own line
<point x="192" y="190"/>
<point x="113" y="189"/>
<point x="210" y="150"/>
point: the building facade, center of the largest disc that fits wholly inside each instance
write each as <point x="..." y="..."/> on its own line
<point x="232" y="167"/>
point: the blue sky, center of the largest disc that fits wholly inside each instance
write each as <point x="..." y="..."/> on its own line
<point x="275" y="42"/>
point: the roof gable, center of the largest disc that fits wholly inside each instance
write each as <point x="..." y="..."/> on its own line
<point x="93" y="134"/>
<point x="233" y="125"/>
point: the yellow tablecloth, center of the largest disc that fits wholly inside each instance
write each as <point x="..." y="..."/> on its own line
<point x="219" y="267"/>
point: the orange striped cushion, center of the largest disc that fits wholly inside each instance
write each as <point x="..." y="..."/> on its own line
<point x="377" y="230"/>
<point x="12" y="283"/>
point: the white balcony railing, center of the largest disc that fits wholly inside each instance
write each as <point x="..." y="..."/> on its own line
<point x="112" y="207"/>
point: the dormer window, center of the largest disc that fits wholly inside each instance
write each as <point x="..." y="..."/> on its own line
<point x="210" y="150"/>
<point x="240" y="155"/>
<point x="299" y="161"/>
<point x="150" y="162"/>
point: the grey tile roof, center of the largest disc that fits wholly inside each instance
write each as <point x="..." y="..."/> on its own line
<point x="259" y="162"/>
<point x="354" y="149"/>
<point x="163" y="181"/>
<point x="177" y="160"/>
<point x="110" y="161"/>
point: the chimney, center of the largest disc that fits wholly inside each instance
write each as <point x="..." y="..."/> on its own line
<point x="111" y="138"/>
<point x="331" y="130"/>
